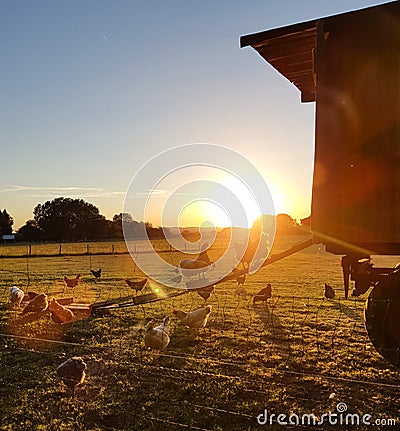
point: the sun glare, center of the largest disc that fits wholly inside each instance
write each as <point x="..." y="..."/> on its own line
<point x="199" y="195"/>
<point x="202" y="212"/>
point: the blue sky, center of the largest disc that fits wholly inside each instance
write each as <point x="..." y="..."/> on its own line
<point x="91" y="90"/>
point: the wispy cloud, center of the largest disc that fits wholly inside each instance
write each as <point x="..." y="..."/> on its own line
<point x="83" y="192"/>
<point x="158" y="193"/>
<point x="70" y="191"/>
<point x="154" y="192"/>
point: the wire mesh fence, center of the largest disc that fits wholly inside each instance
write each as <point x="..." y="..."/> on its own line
<point x="38" y="249"/>
<point x="292" y="354"/>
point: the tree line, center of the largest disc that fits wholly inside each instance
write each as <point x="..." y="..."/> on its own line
<point x="67" y="219"/>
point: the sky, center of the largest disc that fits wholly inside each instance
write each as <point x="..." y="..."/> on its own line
<point x="91" y="91"/>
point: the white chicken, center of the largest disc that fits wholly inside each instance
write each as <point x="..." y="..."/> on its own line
<point x="193" y="319"/>
<point x="16" y="296"/>
<point x="157" y="338"/>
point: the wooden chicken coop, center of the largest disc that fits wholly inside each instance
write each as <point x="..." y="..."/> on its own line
<point x="349" y="64"/>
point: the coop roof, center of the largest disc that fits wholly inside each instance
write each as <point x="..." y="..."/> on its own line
<point x="290" y="49"/>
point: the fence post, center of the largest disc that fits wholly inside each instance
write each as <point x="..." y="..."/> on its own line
<point x="30" y="249"/>
<point x="60" y="250"/>
<point x="87" y="248"/>
<point x="112" y="249"/>
<point x="27" y="269"/>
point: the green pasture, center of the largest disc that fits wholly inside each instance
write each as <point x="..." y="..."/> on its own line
<point x="300" y="353"/>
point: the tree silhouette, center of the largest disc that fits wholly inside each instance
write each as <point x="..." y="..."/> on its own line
<point x="6" y="222"/>
<point x="69" y="219"/>
<point x="30" y="232"/>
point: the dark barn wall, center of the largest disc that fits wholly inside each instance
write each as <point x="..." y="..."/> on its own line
<point x="356" y="186"/>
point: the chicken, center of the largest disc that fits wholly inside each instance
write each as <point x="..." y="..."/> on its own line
<point x="157" y="338"/>
<point x="329" y="292"/>
<point x="137" y="285"/>
<point x="198" y="266"/>
<point x="59" y="313"/>
<point x="30" y="295"/>
<point x="96" y="274"/>
<point x="205" y="292"/>
<point x="177" y="279"/>
<point x="72" y="372"/>
<point x="37" y="305"/>
<point x="263" y="295"/>
<point x="193" y="319"/>
<point x="16" y="296"/>
<point x="241" y="292"/>
<point x="240" y="279"/>
<point x="72" y="282"/>
<point x="254" y="253"/>
<point x="245" y="254"/>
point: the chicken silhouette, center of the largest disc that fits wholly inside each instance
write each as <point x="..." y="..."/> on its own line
<point x="137" y="285"/>
<point x="240" y="279"/>
<point x="198" y="266"/>
<point x="263" y="295"/>
<point x="205" y="292"/>
<point x="96" y="274"/>
<point x="329" y="292"/>
<point x="72" y="373"/>
<point x="245" y="253"/>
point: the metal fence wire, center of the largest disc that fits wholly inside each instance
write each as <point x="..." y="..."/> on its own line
<point x="289" y="354"/>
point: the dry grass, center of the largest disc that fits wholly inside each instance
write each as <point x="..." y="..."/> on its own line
<point x="301" y="354"/>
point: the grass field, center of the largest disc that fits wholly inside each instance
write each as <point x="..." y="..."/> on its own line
<point x="301" y="354"/>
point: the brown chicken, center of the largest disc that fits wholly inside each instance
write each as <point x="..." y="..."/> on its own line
<point x="193" y="319"/>
<point x="240" y="279"/>
<point x="30" y="295"/>
<point x="263" y="295"/>
<point x="205" y="292"/>
<point x="72" y="282"/>
<point x="37" y="305"/>
<point x="72" y="373"/>
<point x="59" y="313"/>
<point x="137" y="285"/>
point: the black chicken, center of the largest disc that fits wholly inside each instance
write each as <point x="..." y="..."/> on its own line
<point x="72" y="372"/>
<point x="329" y="292"/>
<point x="96" y="274"/>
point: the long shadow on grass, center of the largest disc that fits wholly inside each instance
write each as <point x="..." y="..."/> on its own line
<point x="271" y="322"/>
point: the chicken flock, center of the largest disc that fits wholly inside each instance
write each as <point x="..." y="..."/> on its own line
<point x="157" y="335"/>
